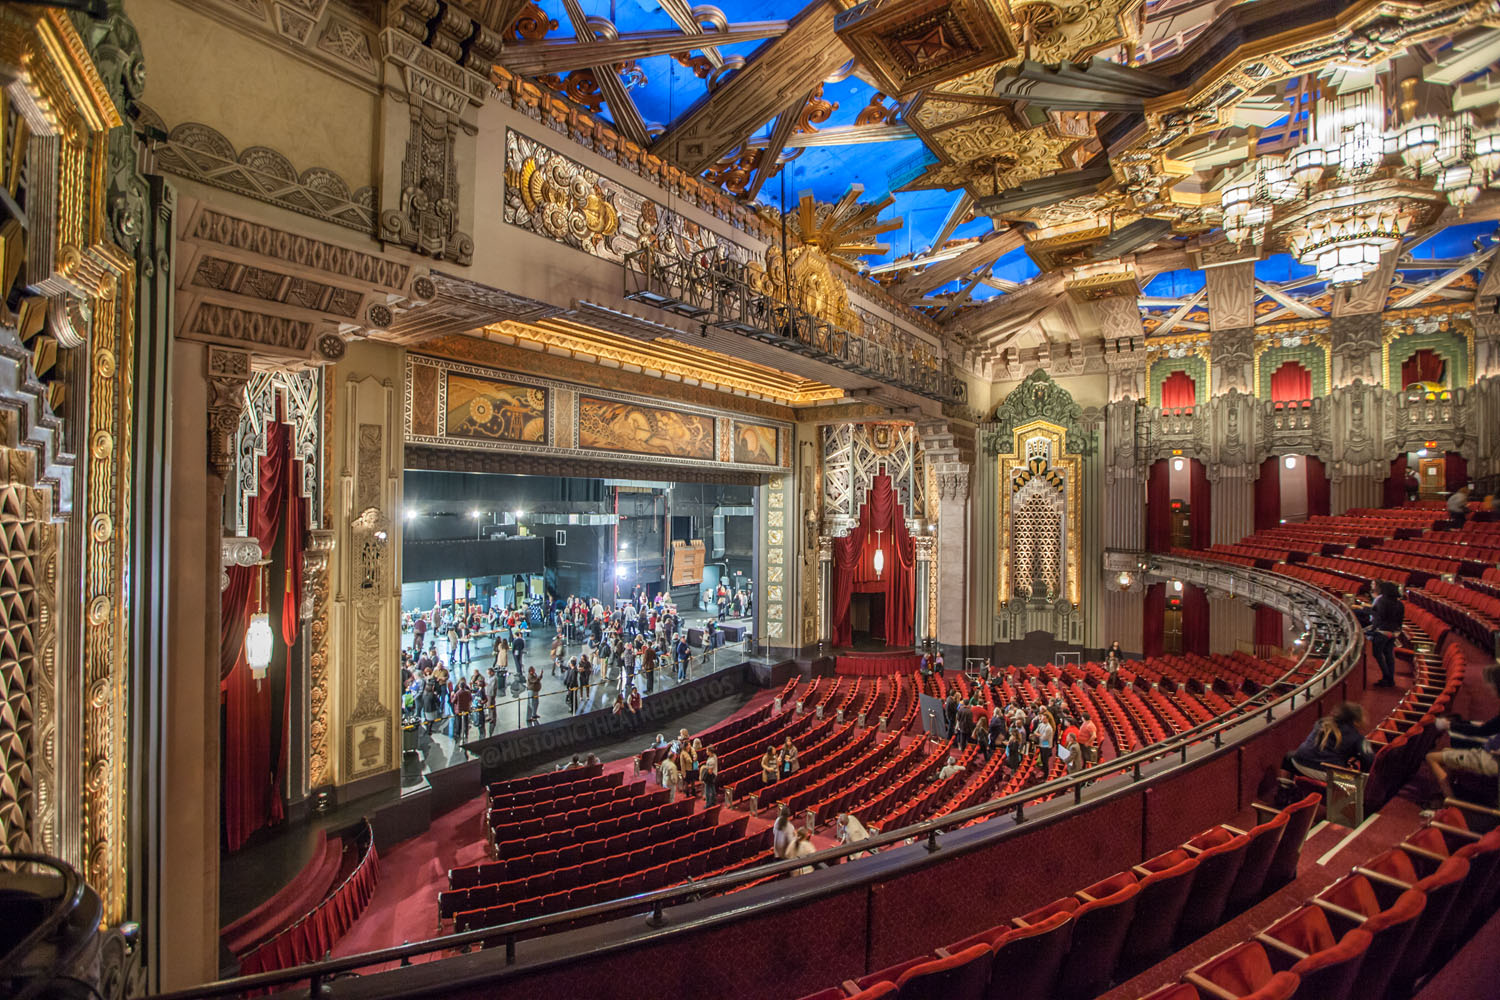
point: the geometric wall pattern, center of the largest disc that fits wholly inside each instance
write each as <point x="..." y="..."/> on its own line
<point x="20" y="609"/>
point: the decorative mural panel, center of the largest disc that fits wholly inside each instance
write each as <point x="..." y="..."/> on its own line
<point x="1312" y="351"/>
<point x="295" y="398"/>
<point x="853" y="454"/>
<point x="1038" y="515"/>
<point x="461" y="406"/>
<point x="756" y="444"/>
<point x="1194" y="364"/>
<point x="612" y="425"/>
<point x="1448" y="335"/>
<point x="553" y="196"/>
<point x="490" y="410"/>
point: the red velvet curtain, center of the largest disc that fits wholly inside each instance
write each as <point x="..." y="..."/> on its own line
<point x="315" y="935"/>
<point x="253" y="767"/>
<point x="1194" y="620"/>
<point x="1422" y="366"/>
<point x="1455" y="471"/>
<point x="1159" y="508"/>
<point x="1178" y="392"/>
<point x="1267" y="626"/>
<point x="1200" y="494"/>
<point x="881" y="523"/>
<point x="1153" y="620"/>
<point x="1291" y="383"/>
<point x="1317" y="488"/>
<point x="1395" y="484"/>
<point x="1268" y="494"/>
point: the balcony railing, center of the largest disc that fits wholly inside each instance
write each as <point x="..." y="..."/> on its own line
<point x="716" y="291"/>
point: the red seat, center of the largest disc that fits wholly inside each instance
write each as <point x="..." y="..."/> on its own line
<point x="962" y="976"/>
<point x="1245" y="973"/>
<point x="1219" y="860"/>
<point x="1394" y="868"/>
<point x="1388" y="914"/>
<point x="1326" y="964"/>
<point x="1028" y="959"/>
<point x="1099" y="928"/>
<point x="1283" y="868"/>
<point x="1158" y="909"/>
<point x="1251" y="878"/>
<point x="1175" y="991"/>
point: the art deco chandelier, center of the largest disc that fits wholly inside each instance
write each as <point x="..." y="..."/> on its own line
<point x="1346" y="145"/>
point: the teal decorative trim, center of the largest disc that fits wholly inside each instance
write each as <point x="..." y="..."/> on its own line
<point x="1310" y="356"/>
<point x="1162" y="368"/>
<point x="1039" y="398"/>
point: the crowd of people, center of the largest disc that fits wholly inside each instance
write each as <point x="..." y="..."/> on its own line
<point x="1014" y="729"/>
<point x="624" y="645"/>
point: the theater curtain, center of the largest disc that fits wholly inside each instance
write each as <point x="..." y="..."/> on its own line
<point x="1194" y="620"/>
<point x="1422" y="366"/>
<point x="1317" y="488"/>
<point x="1267" y="626"/>
<point x="1455" y="471"/>
<point x="1395" y="483"/>
<point x="1291" y="383"/>
<point x="1268" y="494"/>
<point x="254" y="761"/>
<point x="1178" y="392"/>
<point x="314" y="936"/>
<point x="1154" y="619"/>
<point x="881" y="523"/>
<point x="1200" y="494"/>
<point x="1159" y="508"/>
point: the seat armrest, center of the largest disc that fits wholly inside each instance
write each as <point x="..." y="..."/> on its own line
<point x="1083" y="896"/>
<point x="851" y="988"/>
<point x="1234" y="830"/>
<point x="1264" y="809"/>
<point x="1472" y="807"/>
<point x="1338" y="910"/>
<point x="1280" y="946"/>
<point x="1209" y="989"/>
<point x="1456" y="831"/>
<point x="1381" y="877"/>
<point x="1423" y="852"/>
<point x="942" y="953"/>
<point x="1143" y="872"/>
<point x="1019" y="922"/>
<point x="1195" y="851"/>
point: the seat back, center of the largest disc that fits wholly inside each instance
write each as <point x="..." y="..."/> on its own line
<point x="1099" y="929"/>
<point x="1299" y="819"/>
<point x="1158" y="909"/>
<point x="958" y="977"/>
<point x="1251" y="878"/>
<point x="1483" y="856"/>
<point x="1217" y="868"/>
<point x="1240" y="970"/>
<point x="1441" y="888"/>
<point x="1329" y="974"/>
<point x="1027" y="959"/>
<point x="1391" y="931"/>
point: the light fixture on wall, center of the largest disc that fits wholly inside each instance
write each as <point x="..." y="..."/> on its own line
<point x="1125" y="581"/>
<point x="1177" y="586"/>
<point x="1291" y="461"/>
<point x="879" y="555"/>
<point x="1178" y="464"/>
<point x="258" y="637"/>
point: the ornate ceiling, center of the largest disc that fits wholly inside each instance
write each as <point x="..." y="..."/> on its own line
<point x="1014" y="169"/>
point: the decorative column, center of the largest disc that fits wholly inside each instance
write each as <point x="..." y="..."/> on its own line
<point x="315" y="560"/>
<point x="1356" y="349"/>
<point x="952" y="594"/>
<point x="825" y="591"/>
<point x="923" y="620"/>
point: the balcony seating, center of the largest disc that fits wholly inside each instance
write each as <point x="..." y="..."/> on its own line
<point x="1356" y="901"/>
<point x="1243" y="973"/>
<point x="1325" y="963"/>
<point x="1393" y="868"/>
<point x="1250" y="881"/>
<point x="1300" y="816"/>
<point x="1220" y="855"/>
<point x="1165" y="883"/>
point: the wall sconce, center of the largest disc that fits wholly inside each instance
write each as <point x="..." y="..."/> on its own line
<point x="879" y="555"/>
<point x="1291" y="461"/>
<point x="1125" y="581"/>
<point x="258" y="637"/>
<point x="1178" y="465"/>
<point x="1177" y="586"/>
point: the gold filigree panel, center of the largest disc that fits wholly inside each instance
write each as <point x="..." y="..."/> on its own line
<point x="1016" y="469"/>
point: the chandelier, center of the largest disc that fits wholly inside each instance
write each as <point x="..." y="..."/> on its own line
<point x="1347" y="142"/>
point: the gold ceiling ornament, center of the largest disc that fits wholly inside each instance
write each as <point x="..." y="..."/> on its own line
<point x="845" y="230"/>
<point x="815" y="288"/>
<point x="910" y="45"/>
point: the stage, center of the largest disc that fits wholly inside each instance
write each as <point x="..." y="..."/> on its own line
<point x="875" y="663"/>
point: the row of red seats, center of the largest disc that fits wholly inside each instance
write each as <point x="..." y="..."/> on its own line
<point x="1466" y="610"/>
<point x="1375" y="932"/>
<point x="866" y="755"/>
<point x="814" y="764"/>
<point x="1425" y="558"/>
<point x="1073" y="948"/>
<point x="1322" y="578"/>
<point x="534" y="781"/>
<point x="884" y="775"/>
<point x="885" y="802"/>
<point x="564" y="813"/>
<point x="566" y="782"/>
<point x="551" y="876"/>
<point x="1371" y="571"/>
<point x="803" y="729"/>
<point x="927" y="799"/>
<point x="752" y="849"/>
<point x="587" y="841"/>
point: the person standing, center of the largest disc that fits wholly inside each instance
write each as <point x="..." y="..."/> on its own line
<point x="518" y="647"/>
<point x="431" y="704"/>
<point x="1458" y="506"/>
<point x="463" y="704"/>
<point x="1043" y="735"/>
<point x="533" y="697"/>
<point x="494" y="687"/>
<point x="419" y="631"/>
<point x="710" y="775"/>
<point x="770" y="766"/>
<point x="1387" y="615"/>
<point x="570" y="681"/>
<point x="648" y="666"/>
<point x="789" y="762"/>
<point x="453" y="641"/>
<point x="684" y="653"/>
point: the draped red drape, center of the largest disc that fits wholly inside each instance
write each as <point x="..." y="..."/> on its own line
<point x="1395" y="484"/>
<point x="1178" y="392"/>
<point x="1455" y="471"/>
<point x="253" y="767"/>
<point x="1291" y="383"/>
<point x="1422" y="366"/>
<point x="1268" y="494"/>
<point x="1318" y="501"/>
<point x="1159" y="508"/>
<point x="1267" y="626"/>
<point x="312" y="937"/>
<point x="1200" y="494"/>
<point x="881" y="522"/>
<point x="1194" y="620"/>
<point x="1153" y="620"/>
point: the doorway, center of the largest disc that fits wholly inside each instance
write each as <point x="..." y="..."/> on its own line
<point x="867" y="619"/>
<point x="1432" y="473"/>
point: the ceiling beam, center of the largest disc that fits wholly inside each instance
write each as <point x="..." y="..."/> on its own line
<point x="682" y="15"/>
<point x="1300" y="308"/>
<point x="845" y="135"/>
<point x="956" y="214"/>
<point x="981" y="254"/>
<point x="1449" y="277"/>
<point x="785" y="122"/>
<point x="776" y="74"/>
<point x="561" y="55"/>
<point x="964" y="294"/>
<point x="1181" y="311"/>
<point x="622" y="109"/>
<point x="1369" y="295"/>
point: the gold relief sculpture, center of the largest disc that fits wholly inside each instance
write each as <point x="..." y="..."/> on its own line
<point x="608" y="425"/>
<point x="490" y="410"/>
<point x="1037" y="454"/>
